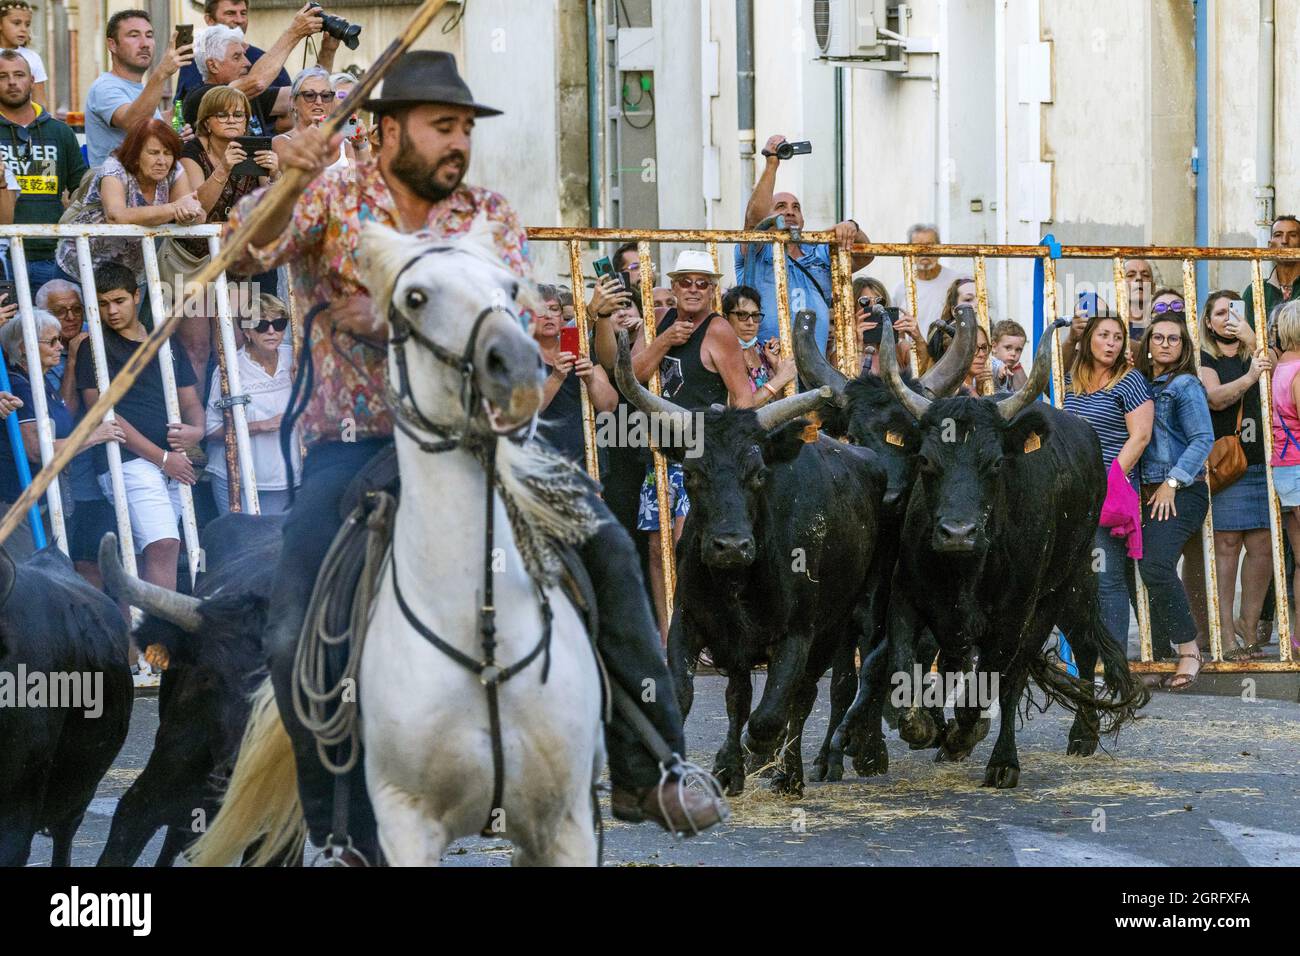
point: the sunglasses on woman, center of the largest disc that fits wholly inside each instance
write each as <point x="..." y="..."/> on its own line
<point x="311" y="96"/>
<point x="266" y="325"/>
<point x="1162" y="307"/>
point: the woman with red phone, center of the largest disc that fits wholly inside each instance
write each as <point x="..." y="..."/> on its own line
<point x="560" y="417"/>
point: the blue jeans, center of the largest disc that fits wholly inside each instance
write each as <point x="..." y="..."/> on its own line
<point x="1114" y="584"/>
<point x="1162" y="545"/>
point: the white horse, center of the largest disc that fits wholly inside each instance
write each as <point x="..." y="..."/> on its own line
<point x="429" y="760"/>
<point x="428" y="752"/>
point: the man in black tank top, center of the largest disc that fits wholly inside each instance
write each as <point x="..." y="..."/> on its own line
<point x="699" y="361"/>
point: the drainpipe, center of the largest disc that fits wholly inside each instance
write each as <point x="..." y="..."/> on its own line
<point x="839" y="144"/>
<point x="62" y="48"/>
<point x="594" y="122"/>
<point x="1264" y="125"/>
<point x="745" y="96"/>
<point x="1201" y="158"/>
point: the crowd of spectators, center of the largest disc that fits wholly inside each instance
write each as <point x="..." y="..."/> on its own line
<point x="1157" y="407"/>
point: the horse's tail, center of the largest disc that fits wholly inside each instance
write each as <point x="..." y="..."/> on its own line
<point x="261" y="803"/>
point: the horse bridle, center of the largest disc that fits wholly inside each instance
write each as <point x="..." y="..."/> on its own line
<point x="411" y="420"/>
<point x="407" y="413"/>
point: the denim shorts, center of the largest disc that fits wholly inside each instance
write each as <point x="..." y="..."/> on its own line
<point x="1286" y="480"/>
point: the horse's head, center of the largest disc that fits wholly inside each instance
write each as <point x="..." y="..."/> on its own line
<point x="452" y="306"/>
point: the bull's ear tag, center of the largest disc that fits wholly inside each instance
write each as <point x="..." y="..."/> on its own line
<point x="1033" y="443"/>
<point x="894" y="438"/>
<point x="811" y="430"/>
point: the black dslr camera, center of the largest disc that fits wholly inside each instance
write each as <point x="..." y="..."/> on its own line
<point x="347" y="33"/>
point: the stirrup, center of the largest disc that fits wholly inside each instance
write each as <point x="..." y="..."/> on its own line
<point x="691" y="776"/>
<point x="335" y="854"/>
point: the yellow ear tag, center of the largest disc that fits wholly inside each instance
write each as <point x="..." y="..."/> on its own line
<point x="157" y="656"/>
<point x="814" y="425"/>
<point x="893" y="438"/>
<point x="1033" y="443"/>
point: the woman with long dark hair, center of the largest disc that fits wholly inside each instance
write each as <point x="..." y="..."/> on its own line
<point x="1174" y="494"/>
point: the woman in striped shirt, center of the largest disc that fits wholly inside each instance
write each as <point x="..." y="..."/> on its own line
<point x="1103" y="388"/>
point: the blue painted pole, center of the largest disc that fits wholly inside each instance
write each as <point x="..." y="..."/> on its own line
<point x="1201" y="162"/>
<point x="20" y="457"/>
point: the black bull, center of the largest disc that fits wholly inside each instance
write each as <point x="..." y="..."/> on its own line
<point x="996" y="549"/>
<point x="775" y="564"/>
<point x="213" y="642"/>
<point x="54" y="624"/>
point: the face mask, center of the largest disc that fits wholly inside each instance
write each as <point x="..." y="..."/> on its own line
<point x="1225" y="339"/>
<point x="747" y="343"/>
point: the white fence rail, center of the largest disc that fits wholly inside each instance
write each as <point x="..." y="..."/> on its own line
<point x="82" y="234"/>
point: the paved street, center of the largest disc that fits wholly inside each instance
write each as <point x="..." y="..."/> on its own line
<point x="1200" y="780"/>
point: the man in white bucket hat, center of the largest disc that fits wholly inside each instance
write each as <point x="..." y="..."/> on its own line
<point x="700" y="364"/>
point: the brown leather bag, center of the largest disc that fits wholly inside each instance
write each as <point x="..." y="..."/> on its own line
<point x="1227" y="461"/>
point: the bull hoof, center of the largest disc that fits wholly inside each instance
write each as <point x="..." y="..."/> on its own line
<point x="874" y="760"/>
<point x="820" y="769"/>
<point x="760" y="764"/>
<point x="786" y="785"/>
<point x="917" y="727"/>
<point x="1004" y="778"/>
<point x="1082" y="747"/>
<point x="730" y="779"/>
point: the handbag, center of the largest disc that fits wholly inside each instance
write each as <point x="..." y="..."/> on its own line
<point x="177" y="265"/>
<point x="1227" y="461"/>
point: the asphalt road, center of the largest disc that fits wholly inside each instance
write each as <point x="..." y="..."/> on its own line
<point x="1199" y="780"/>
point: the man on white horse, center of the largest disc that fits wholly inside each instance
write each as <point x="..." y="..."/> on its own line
<point x="426" y="115"/>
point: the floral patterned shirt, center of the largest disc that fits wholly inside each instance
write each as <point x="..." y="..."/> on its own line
<point x="349" y="397"/>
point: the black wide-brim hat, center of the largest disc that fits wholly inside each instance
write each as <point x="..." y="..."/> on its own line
<point x="424" y="76"/>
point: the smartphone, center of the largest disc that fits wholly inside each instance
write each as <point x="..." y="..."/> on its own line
<point x="251" y="144"/>
<point x="626" y="278"/>
<point x="10" y="291"/>
<point x="603" y="267"/>
<point x="873" y="336"/>
<point x="1238" y="309"/>
<point x="569" y="340"/>
<point x="184" y="35"/>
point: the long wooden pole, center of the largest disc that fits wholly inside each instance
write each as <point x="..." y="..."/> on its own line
<point x="284" y="193"/>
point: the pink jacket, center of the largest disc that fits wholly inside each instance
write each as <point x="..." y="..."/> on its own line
<point x="1122" y="510"/>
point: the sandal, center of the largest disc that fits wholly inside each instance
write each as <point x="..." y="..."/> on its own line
<point x="1187" y="680"/>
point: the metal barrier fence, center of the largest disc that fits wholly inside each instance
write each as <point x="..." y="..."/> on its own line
<point x="848" y="358"/>
<point x="239" y="459"/>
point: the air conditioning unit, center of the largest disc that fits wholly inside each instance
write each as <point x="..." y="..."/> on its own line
<point x="851" y="29"/>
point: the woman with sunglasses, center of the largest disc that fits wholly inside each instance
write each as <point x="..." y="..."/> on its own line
<point x="1174" y="494"/>
<point x="768" y="372"/>
<point x="50" y="346"/>
<point x="265" y="373"/>
<point x="356" y="140"/>
<point x="209" y="160"/>
<point x="312" y="100"/>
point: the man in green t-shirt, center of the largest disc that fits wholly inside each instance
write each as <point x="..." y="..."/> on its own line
<point x="1283" y="283"/>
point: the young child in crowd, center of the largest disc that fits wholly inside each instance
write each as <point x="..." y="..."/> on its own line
<point x="15" y="34"/>
<point x="1008" y="345"/>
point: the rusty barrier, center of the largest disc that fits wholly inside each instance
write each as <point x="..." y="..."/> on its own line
<point x="849" y="360"/>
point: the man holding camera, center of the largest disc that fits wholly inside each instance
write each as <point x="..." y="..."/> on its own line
<point x="808" y="268"/>
<point x="231" y="13"/>
<point x="425" y="115"/>
<point x="220" y="53"/>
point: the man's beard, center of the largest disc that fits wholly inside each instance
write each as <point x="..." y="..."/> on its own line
<point x="15" y="103"/>
<point x="418" y="175"/>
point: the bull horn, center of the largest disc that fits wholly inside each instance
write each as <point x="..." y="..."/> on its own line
<point x="1039" y="375"/>
<point x="179" y="609"/>
<point x="811" y="363"/>
<point x="641" y="397"/>
<point x="775" y="414"/>
<point x="947" y="374"/>
<point x="914" y="403"/>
